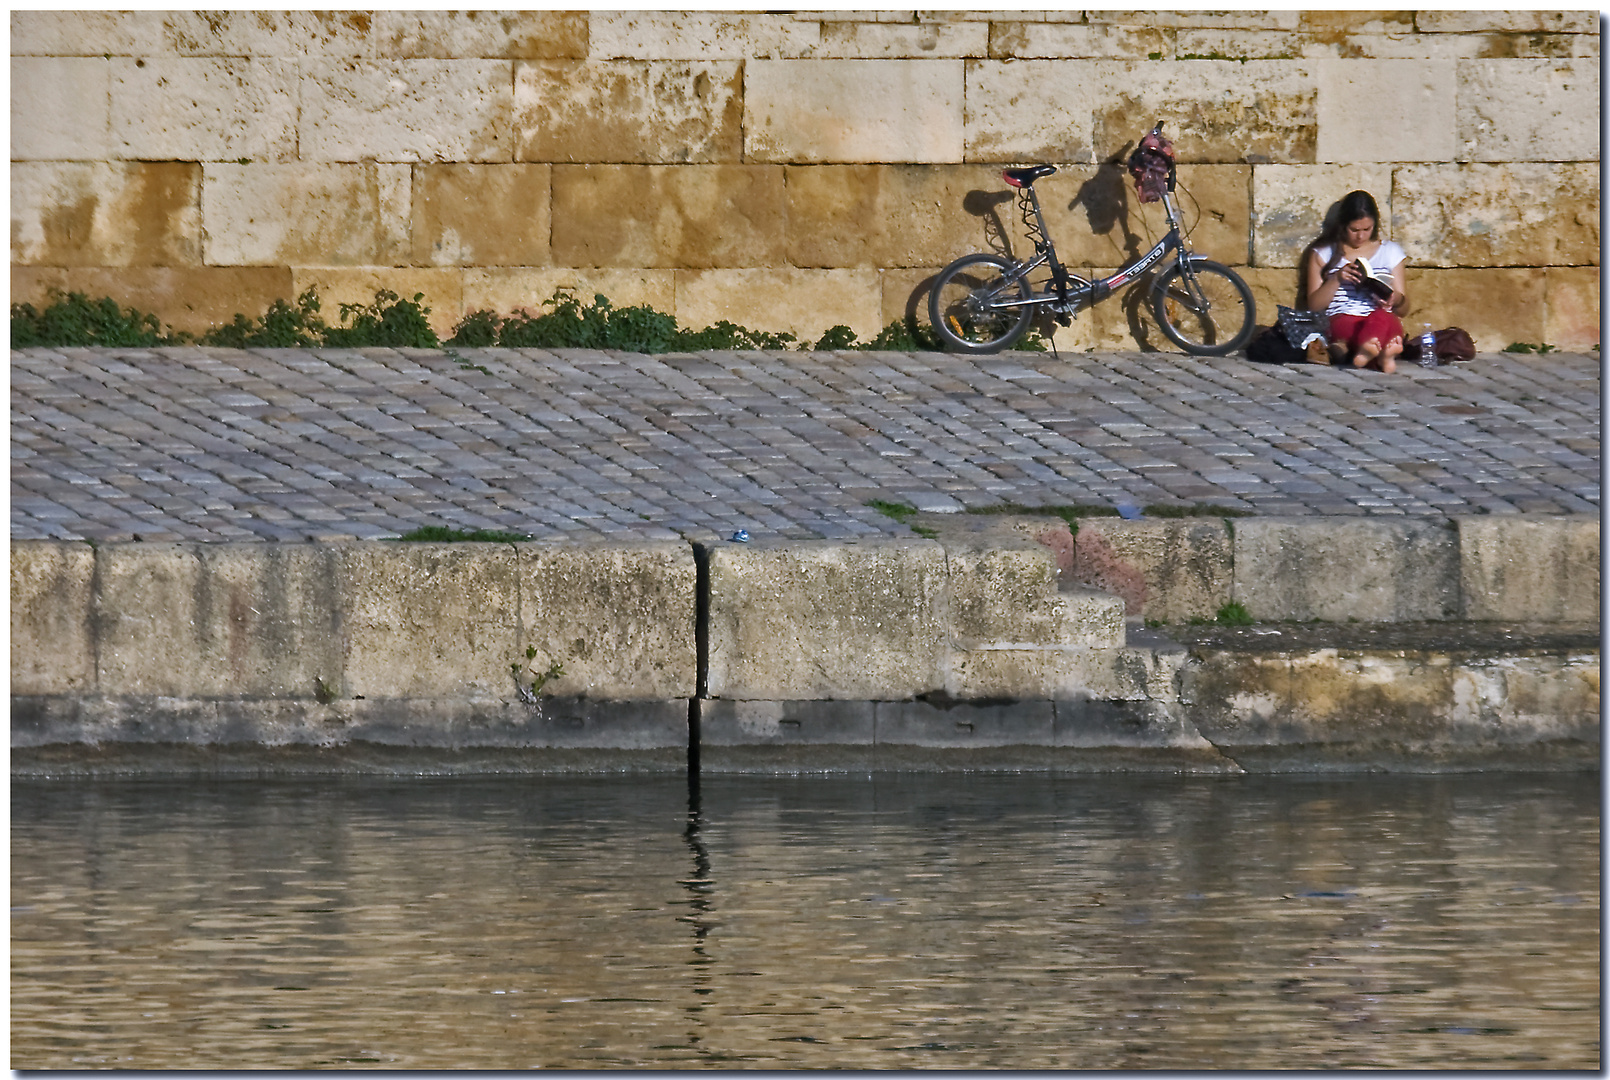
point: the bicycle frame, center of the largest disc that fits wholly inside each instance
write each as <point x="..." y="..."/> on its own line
<point x="1068" y="297"/>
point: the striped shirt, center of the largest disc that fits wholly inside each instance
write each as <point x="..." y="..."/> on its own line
<point x="1351" y="299"/>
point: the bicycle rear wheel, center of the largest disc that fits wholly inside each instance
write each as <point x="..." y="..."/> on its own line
<point x="1208" y="312"/>
<point x="961" y="305"/>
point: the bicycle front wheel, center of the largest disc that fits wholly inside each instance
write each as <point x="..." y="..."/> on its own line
<point x="1205" y="308"/>
<point x="963" y="305"/>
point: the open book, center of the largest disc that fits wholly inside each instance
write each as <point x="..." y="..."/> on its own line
<point x="1379" y="284"/>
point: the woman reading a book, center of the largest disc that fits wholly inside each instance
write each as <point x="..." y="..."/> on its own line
<point x="1356" y="278"/>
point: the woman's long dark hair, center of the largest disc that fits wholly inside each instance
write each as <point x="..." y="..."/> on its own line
<point x="1348" y="209"/>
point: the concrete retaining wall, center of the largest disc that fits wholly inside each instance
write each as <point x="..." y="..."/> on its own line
<point x="381" y="643"/>
<point x="709" y="163"/>
<point x="970" y="651"/>
<point x="1521" y="569"/>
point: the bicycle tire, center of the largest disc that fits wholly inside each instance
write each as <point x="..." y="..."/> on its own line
<point x="957" y="305"/>
<point x="1222" y="326"/>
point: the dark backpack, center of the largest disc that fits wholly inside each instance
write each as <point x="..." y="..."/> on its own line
<point x="1269" y="346"/>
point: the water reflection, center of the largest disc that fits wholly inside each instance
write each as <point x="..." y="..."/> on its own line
<point x="986" y="922"/>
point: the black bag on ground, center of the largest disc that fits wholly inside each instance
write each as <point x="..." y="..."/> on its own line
<point x="1269" y="346"/>
<point x="1283" y="342"/>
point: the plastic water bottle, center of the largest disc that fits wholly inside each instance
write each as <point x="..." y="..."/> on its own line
<point x="1428" y="346"/>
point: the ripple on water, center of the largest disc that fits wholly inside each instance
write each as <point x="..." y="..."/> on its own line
<point x="895" y="922"/>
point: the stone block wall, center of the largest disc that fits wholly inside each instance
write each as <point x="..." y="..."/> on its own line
<point x="789" y="171"/>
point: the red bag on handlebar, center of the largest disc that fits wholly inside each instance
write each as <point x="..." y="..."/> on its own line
<point x="1149" y="165"/>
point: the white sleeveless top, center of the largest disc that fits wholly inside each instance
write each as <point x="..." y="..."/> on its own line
<point x="1356" y="299"/>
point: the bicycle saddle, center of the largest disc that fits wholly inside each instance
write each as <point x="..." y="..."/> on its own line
<point x="1027" y="175"/>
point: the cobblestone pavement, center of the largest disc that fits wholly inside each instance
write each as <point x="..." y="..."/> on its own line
<point x="286" y="444"/>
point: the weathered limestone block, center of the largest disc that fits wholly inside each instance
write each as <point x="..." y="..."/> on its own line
<point x="217" y="620"/>
<point x="853" y="110"/>
<point x="1497" y="305"/>
<point x="76" y="32"/>
<point x="304" y="214"/>
<point x="1482" y="46"/>
<point x="887" y="215"/>
<point x="1529" y="569"/>
<point x="1549" y="697"/>
<point x="1165" y="570"/>
<point x="698" y="35"/>
<point x="393" y="110"/>
<point x="1025" y="674"/>
<point x="204" y="108"/>
<point x="1386" y="110"/>
<point x="192" y="298"/>
<point x="1066" y="673"/>
<point x="86" y="213"/>
<point x="1025" y="40"/>
<point x="1004" y="595"/>
<point x="1474" y="215"/>
<point x="672" y="216"/>
<point x="896" y="41"/>
<point x="823" y="620"/>
<point x="1223" y="20"/>
<point x="52" y="585"/>
<point x="1095" y="217"/>
<point x="619" y="618"/>
<point x="1213" y="110"/>
<point x="1528" y="110"/>
<point x="429" y="620"/>
<point x="805" y="303"/>
<point x="647" y="112"/>
<point x="442" y="289"/>
<point x="60" y="107"/>
<point x="1030" y="110"/>
<point x="1571" y="306"/>
<point x="904" y="293"/>
<point x="1454" y="21"/>
<point x="394" y="196"/>
<point x="1289" y="204"/>
<point x="1363" y="705"/>
<point x="268" y="33"/>
<point x="1335" y="570"/>
<point x="508" y="289"/>
<point x="1274" y="285"/>
<point x="480" y="215"/>
<point x="501" y="34"/>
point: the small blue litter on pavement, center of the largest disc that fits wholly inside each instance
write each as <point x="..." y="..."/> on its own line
<point x="1128" y="511"/>
<point x="741" y="536"/>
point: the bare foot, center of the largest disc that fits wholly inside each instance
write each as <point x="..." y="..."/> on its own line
<point x="1367" y="352"/>
<point x="1390" y="354"/>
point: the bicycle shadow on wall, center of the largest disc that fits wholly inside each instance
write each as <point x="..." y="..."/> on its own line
<point x="985" y="206"/>
<point x="1105" y="199"/>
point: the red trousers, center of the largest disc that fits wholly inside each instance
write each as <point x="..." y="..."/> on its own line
<point x="1380" y="326"/>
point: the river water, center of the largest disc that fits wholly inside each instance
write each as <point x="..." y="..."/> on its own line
<point x="889" y="922"/>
